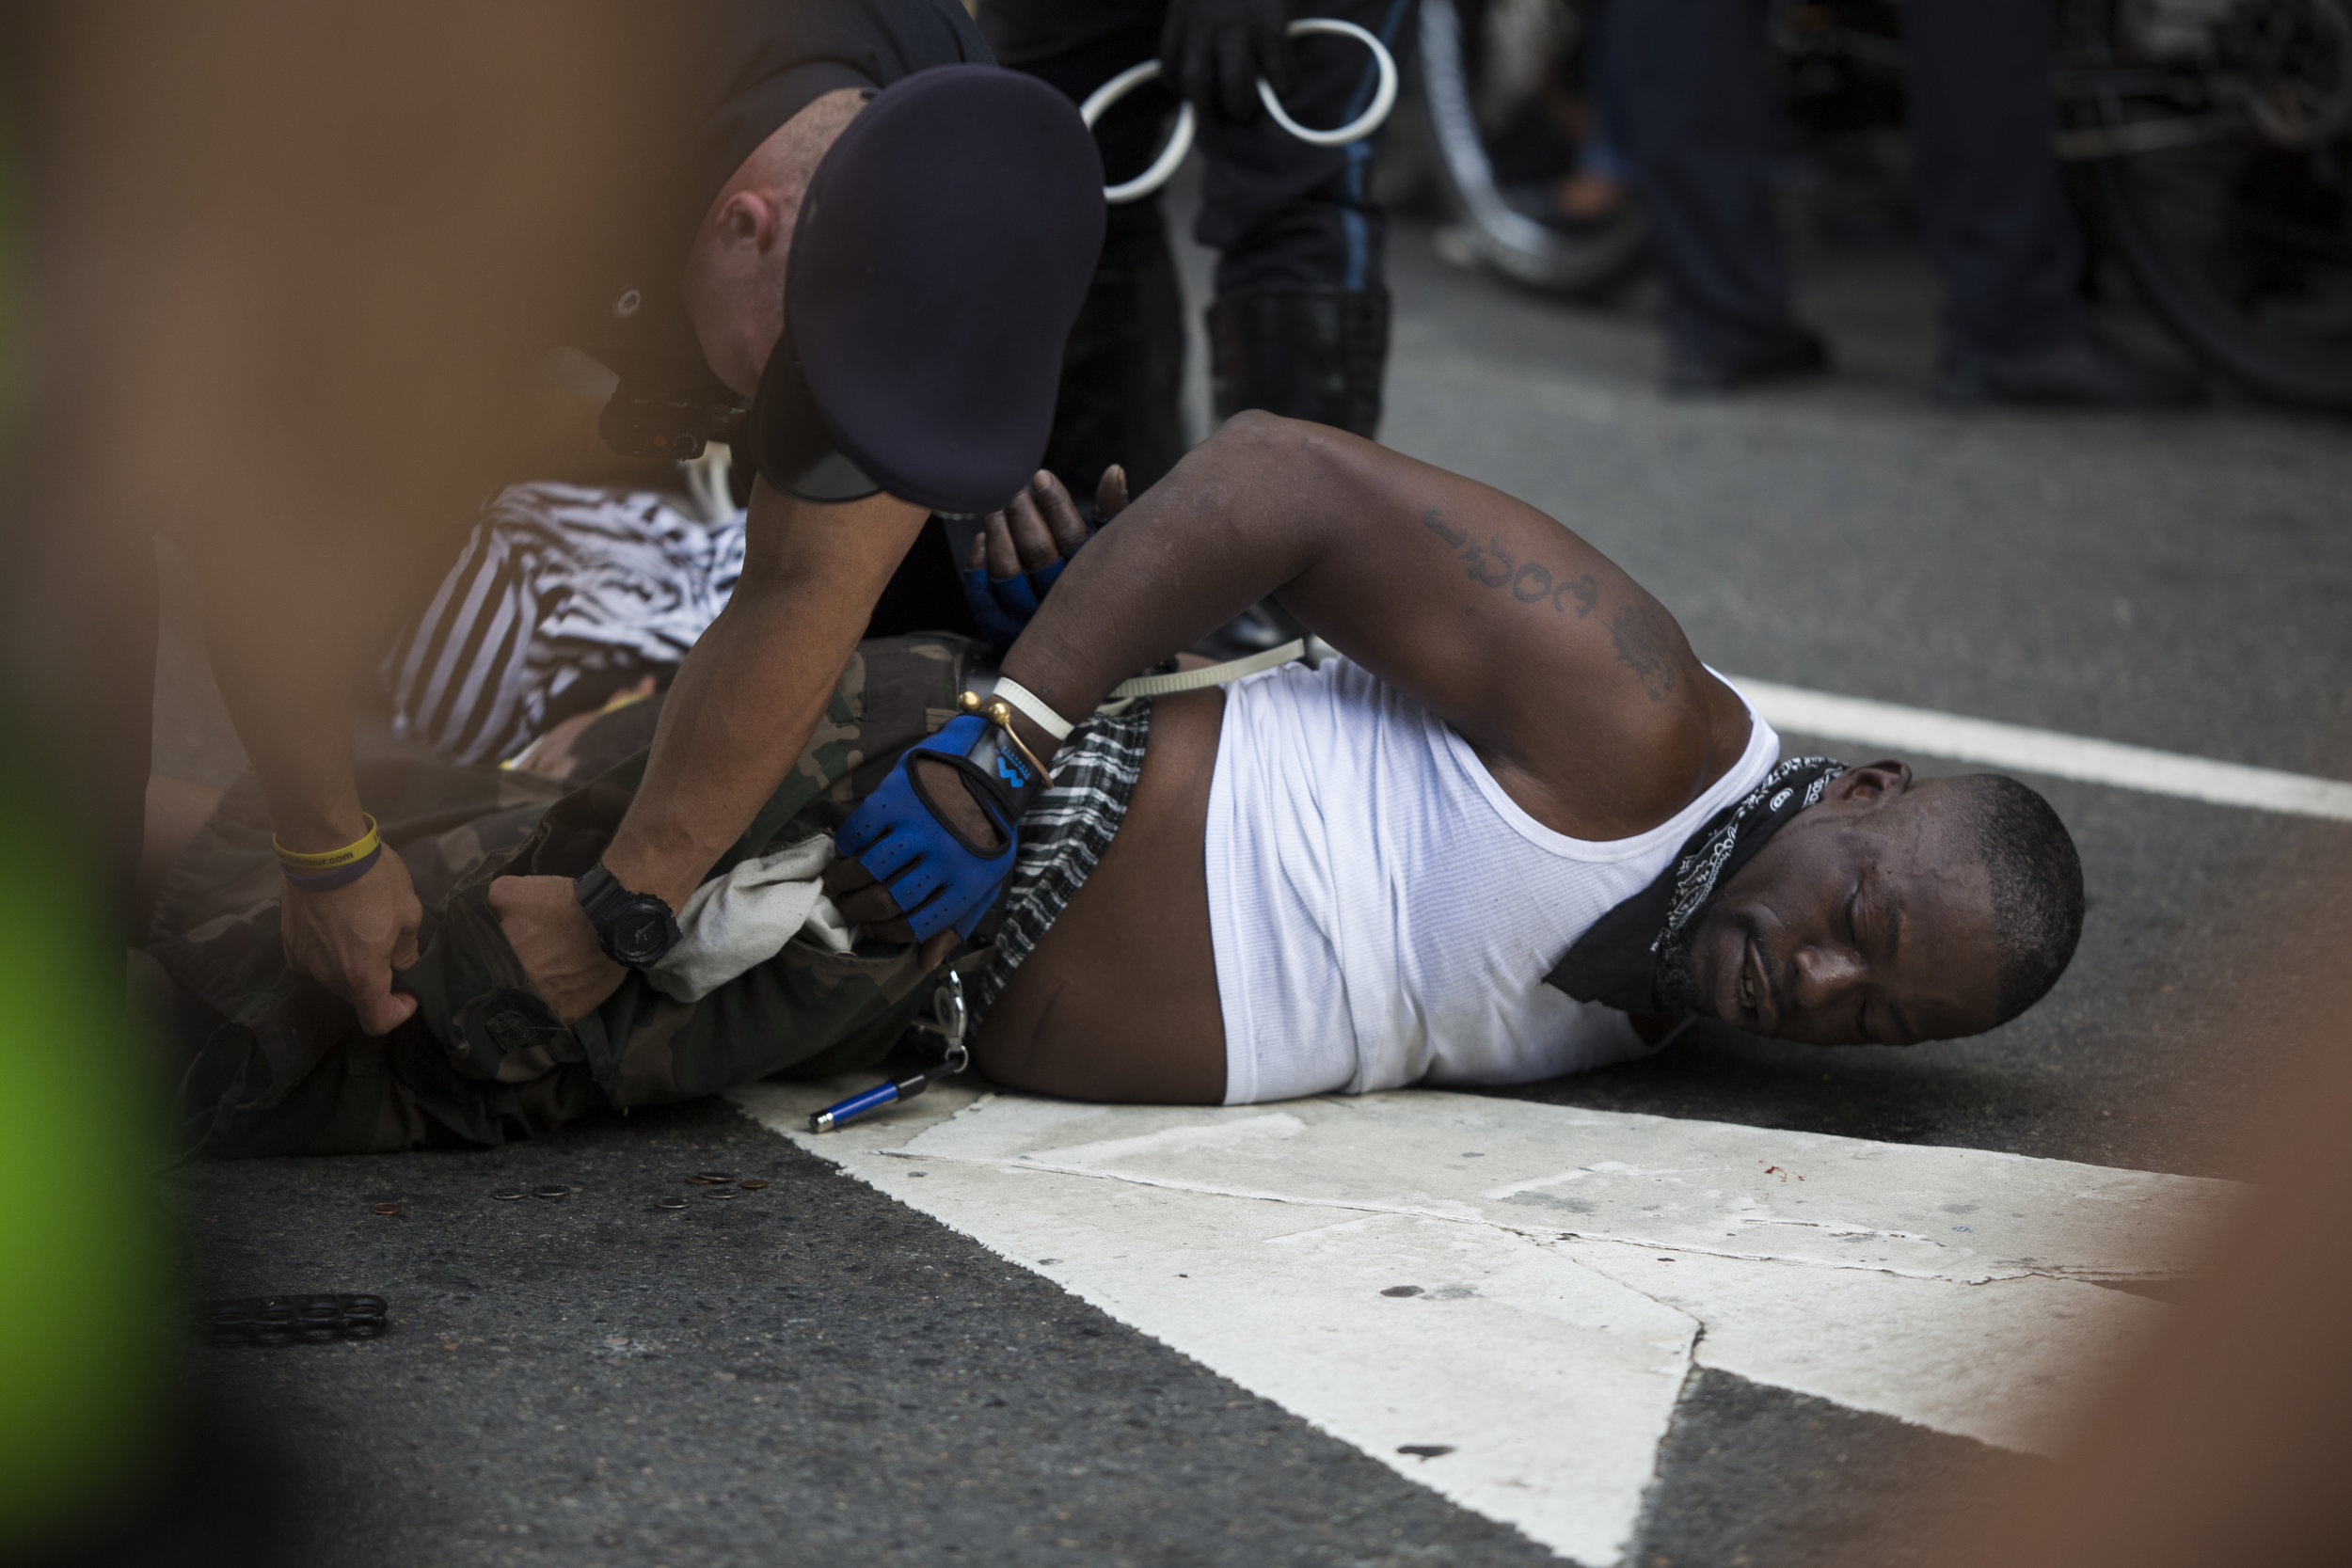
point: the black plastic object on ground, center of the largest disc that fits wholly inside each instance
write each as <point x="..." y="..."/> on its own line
<point x="291" y="1319"/>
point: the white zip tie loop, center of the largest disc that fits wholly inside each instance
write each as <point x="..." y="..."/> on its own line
<point x="1163" y="169"/>
<point x="1383" y="98"/>
<point x="1179" y="141"/>
<point x="1022" y="699"/>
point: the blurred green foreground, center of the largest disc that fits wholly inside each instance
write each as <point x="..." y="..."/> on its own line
<point x="89" y="1407"/>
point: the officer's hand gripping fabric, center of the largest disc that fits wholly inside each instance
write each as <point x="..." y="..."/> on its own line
<point x="905" y="839"/>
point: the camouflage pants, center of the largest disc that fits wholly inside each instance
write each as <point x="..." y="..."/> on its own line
<point x="279" y="1065"/>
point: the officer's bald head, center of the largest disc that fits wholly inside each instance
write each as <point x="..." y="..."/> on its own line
<point x="735" y="272"/>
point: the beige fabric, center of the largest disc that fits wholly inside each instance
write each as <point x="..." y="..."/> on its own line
<point x="746" y="916"/>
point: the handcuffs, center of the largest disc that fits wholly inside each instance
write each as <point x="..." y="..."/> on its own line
<point x="1180" y="142"/>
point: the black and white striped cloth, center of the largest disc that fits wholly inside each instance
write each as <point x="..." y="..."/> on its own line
<point x="1063" y="835"/>
<point x="557" y="584"/>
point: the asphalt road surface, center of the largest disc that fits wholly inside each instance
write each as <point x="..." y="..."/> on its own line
<point x="817" y="1372"/>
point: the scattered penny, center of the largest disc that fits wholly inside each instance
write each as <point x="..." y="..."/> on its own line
<point x="550" y="1191"/>
<point x="1402" y="1291"/>
<point x="670" y="1203"/>
<point x="509" y="1195"/>
<point x="385" y="1208"/>
<point x="722" y="1193"/>
<point x="1426" y="1451"/>
<point x="713" y="1176"/>
<point x="750" y="1183"/>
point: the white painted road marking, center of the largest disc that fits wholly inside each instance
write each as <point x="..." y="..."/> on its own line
<point x="2048" y="752"/>
<point x="1558" y="1271"/>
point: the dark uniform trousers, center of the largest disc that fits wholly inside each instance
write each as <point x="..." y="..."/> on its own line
<point x="275" y="1065"/>
<point x="1301" y="322"/>
<point x="1988" y="186"/>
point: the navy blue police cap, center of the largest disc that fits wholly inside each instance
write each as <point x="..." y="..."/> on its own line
<point x="940" y="257"/>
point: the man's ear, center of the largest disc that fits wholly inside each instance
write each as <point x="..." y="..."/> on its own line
<point x="748" y="219"/>
<point x="1874" y="783"/>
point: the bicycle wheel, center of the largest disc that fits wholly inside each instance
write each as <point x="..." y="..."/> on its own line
<point x="2214" y="138"/>
<point x="1497" y="152"/>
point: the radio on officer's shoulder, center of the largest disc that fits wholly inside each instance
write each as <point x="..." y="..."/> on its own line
<point x="646" y="420"/>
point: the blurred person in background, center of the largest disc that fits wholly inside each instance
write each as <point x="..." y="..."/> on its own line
<point x="279" y="266"/>
<point x="2006" y="245"/>
<point x="90" y="1416"/>
<point x="1299" y="324"/>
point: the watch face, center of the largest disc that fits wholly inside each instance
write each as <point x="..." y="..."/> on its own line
<point x="638" y="936"/>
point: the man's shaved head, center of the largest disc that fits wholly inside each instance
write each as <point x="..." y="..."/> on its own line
<point x="734" y="270"/>
<point x="1893" y="912"/>
<point x="2037" y="882"/>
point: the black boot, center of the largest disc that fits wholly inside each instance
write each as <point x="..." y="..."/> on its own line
<point x="1306" y="353"/>
<point x="2082" y="370"/>
<point x="1791" y="354"/>
<point x="1121" y="376"/>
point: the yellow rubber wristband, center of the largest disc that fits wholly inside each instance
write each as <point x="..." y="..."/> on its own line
<point x="333" y="859"/>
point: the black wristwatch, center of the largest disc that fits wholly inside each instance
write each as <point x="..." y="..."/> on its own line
<point x="633" y="928"/>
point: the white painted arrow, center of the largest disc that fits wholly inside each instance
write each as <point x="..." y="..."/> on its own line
<point x="1528" y="1286"/>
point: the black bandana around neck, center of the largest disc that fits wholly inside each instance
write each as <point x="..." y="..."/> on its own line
<point x="1615" y="961"/>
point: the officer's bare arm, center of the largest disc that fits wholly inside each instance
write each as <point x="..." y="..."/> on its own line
<point x="744" y="705"/>
<point x="1575" y="685"/>
<point x="748" y="697"/>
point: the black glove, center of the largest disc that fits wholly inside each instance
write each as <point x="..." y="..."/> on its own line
<point x="1214" y="51"/>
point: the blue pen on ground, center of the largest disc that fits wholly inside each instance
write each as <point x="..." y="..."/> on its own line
<point x="949" y="1023"/>
<point x="837" y="1115"/>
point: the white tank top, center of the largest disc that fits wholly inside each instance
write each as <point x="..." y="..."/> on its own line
<point x="1384" y="915"/>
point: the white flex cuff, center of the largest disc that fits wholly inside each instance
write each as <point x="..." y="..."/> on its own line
<point x="1028" y="703"/>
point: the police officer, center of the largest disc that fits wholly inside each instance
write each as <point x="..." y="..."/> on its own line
<point x="888" y="240"/>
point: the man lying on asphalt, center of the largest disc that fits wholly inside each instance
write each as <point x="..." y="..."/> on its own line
<point x="1517" y="810"/>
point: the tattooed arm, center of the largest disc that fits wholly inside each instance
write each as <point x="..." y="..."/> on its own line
<point x="1575" y="686"/>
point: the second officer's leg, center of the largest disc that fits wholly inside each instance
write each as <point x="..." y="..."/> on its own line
<point x="1299" y="326"/>
<point x="1301" y="322"/>
<point x="1122" y="373"/>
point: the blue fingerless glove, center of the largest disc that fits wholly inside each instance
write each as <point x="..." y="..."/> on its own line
<point x="1001" y="607"/>
<point x="903" y="840"/>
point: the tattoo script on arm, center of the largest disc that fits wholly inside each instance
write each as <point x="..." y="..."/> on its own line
<point x="1640" y="633"/>
<point x="1529" y="582"/>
